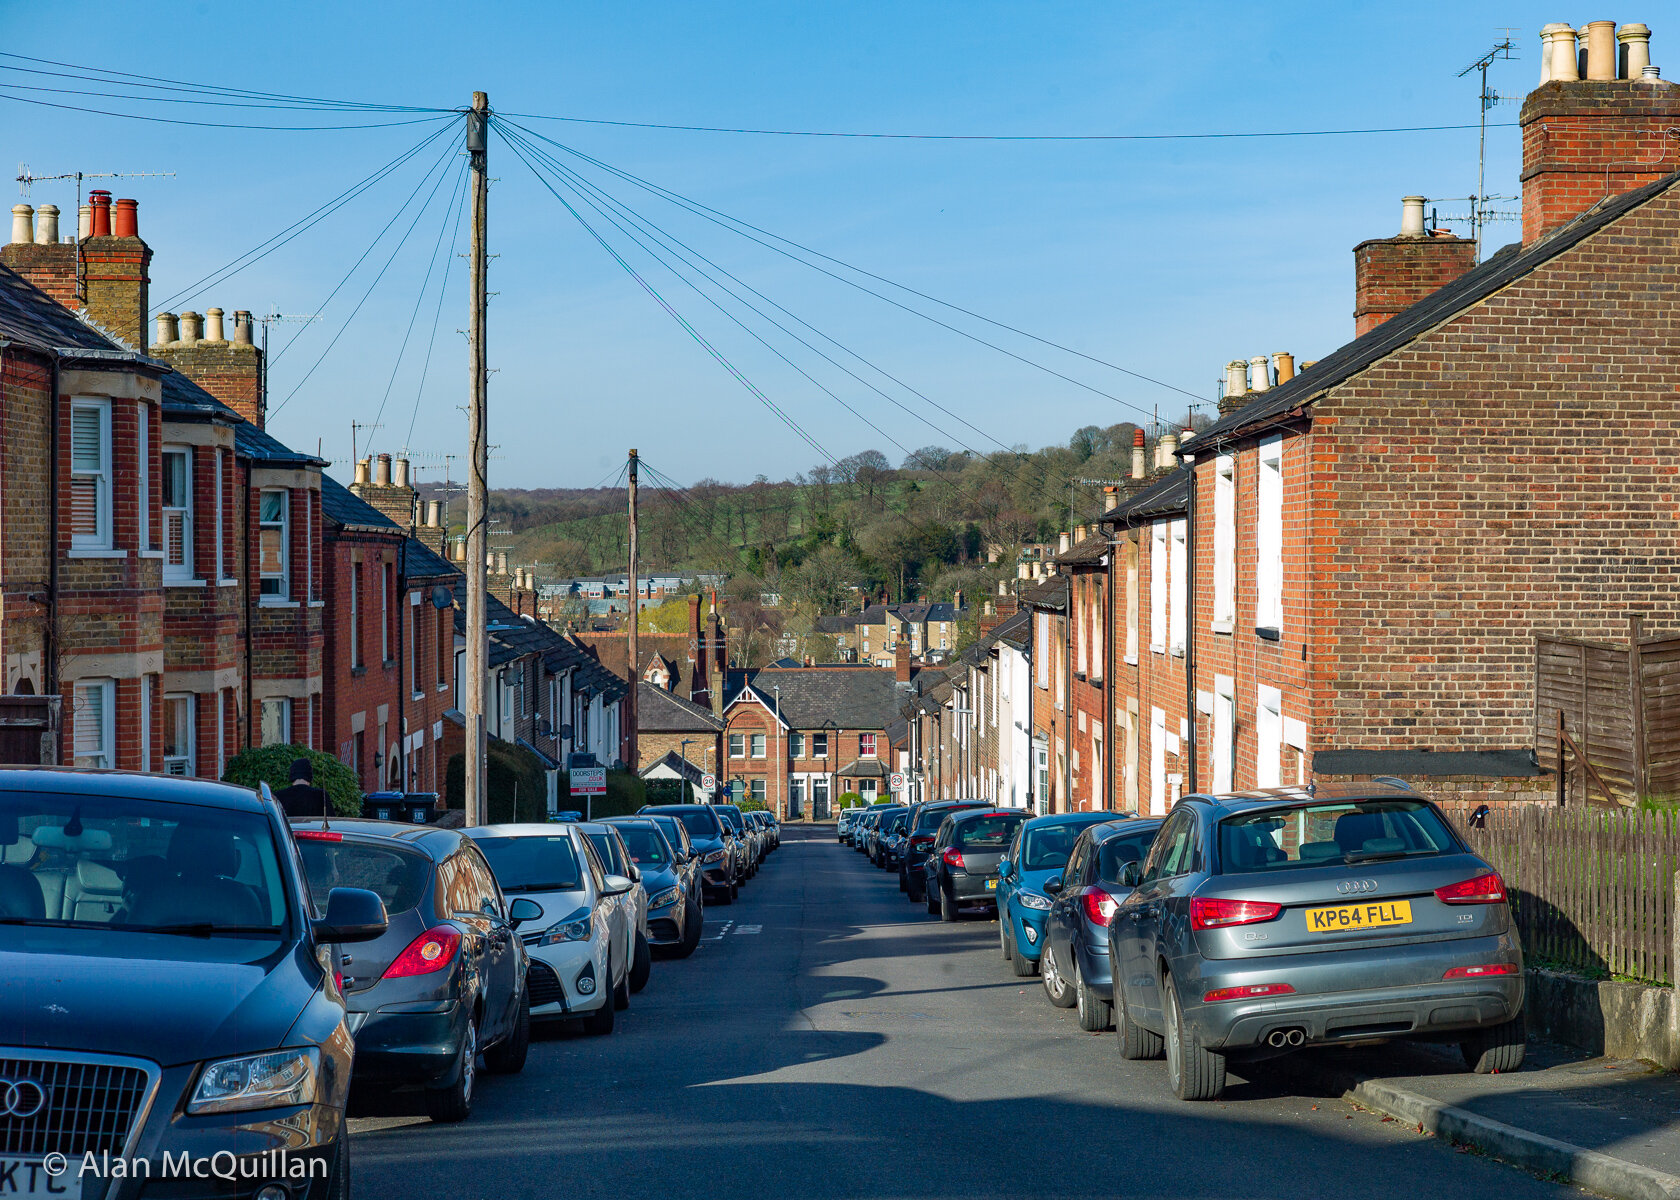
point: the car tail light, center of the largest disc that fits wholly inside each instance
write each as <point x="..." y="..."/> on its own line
<point x="953" y="858"/>
<point x="1099" y="905"/>
<point x="1481" y="971"/>
<point x="317" y="835"/>
<point x="1248" y="992"/>
<point x="1487" y="888"/>
<point x="1207" y="912"/>
<point x="431" y="951"/>
<point x="920" y="843"/>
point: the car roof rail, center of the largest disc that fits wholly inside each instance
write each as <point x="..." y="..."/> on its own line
<point x="1393" y="781"/>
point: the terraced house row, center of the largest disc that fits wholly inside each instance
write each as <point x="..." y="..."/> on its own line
<point x="188" y="584"/>
<point x="1445" y="551"/>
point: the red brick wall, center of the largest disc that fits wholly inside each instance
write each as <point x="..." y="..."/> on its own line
<point x="229" y="371"/>
<point x="1392" y="274"/>
<point x="348" y="689"/>
<point x="1156" y="680"/>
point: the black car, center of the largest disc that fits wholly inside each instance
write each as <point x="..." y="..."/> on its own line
<point x="923" y="828"/>
<point x="891" y="843"/>
<point x="877" y="832"/>
<point x="674" y="917"/>
<point x="166" y="986"/>
<point x="962" y="867"/>
<point x="713" y="841"/>
<point x="445" y="983"/>
<point x="688" y="858"/>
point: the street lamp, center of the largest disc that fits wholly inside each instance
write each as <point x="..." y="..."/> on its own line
<point x="781" y="759"/>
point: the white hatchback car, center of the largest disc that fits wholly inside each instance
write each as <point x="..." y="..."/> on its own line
<point x="580" y="948"/>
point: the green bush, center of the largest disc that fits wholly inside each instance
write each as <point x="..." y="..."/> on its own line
<point x="849" y="800"/>
<point x="751" y="805"/>
<point x="273" y="765"/>
<point x="518" y="789"/>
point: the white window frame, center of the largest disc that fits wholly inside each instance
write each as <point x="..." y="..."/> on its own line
<point x="143" y="448"/>
<point x="869" y="740"/>
<point x="1268" y="538"/>
<point x="183" y="512"/>
<point x="283" y="705"/>
<point x="1133" y="568"/>
<point x="100" y="538"/>
<point x="96" y="731"/>
<point x="1041" y="648"/>
<point x="187" y="761"/>
<point x="355" y="615"/>
<point x="1222" y="758"/>
<point x="1178" y="612"/>
<point x="737" y="746"/>
<point x="283" y="578"/>
<point x="1158" y="588"/>
<point x="1224" y="543"/>
<point x="1268" y="731"/>
<point x="219" y="516"/>
<point x="414" y="660"/>
<point x="796" y="745"/>
<point x="819" y="745"/>
<point x="1157" y="762"/>
<point x="758" y="745"/>
<point x="1079" y="593"/>
<point x="1099" y="662"/>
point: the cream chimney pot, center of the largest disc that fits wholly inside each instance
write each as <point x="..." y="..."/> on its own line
<point x="84" y="222"/>
<point x="1411" y="216"/>
<point x="1601" y="50"/>
<point x="399" y="475"/>
<point x="1636" y="53"/>
<point x="1022" y="570"/>
<point x="1062" y="546"/>
<point x="242" y="327"/>
<point x="501" y="562"/>
<point x="434" y="514"/>
<point x="167" y="330"/>
<point x="382" y="471"/>
<point x="23" y="224"/>
<point x="1259" y="374"/>
<point x="362" y="466"/>
<point x="1168" y="450"/>
<point x="1548" y="39"/>
<point x="46" y="225"/>
<point x="1236" y="378"/>
<point x="1564" y="63"/>
<point x="213" y="325"/>
<point x="192" y="328"/>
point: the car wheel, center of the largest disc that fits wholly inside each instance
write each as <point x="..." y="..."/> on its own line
<point x="1496" y="1050"/>
<point x="1195" y="1073"/>
<point x="1136" y="1042"/>
<point x="1020" y="964"/>
<point x="621" y="992"/>
<point x="642" y="965"/>
<point x="1095" y="1013"/>
<point x="601" y="1020"/>
<point x="691" y="932"/>
<point x="1055" y="985"/>
<point x="451" y="1104"/>
<point x="947" y="907"/>
<point x="338" y="1187"/>
<point x="507" y="1057"/>
<point x="1005" y="946"/>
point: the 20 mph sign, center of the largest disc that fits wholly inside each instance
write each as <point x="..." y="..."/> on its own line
<point x="896" y="781"/>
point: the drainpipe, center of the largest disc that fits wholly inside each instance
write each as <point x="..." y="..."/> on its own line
<point x="1032" y="748"/>
<point x="1190" y="624"/>
<point x="402" y="661"/>
<point x="51" y="680"/>
<point x="250" y="617"/>
<point x="1067" y="702"/>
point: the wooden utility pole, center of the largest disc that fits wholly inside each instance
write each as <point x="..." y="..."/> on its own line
<point x="478" y="492"/>
<point x="635" y="660"/>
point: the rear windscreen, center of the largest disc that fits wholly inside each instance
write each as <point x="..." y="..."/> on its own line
<point x="533" y="864"/>
<point x="1122" y="848"/>
<point x="927" y="822"/>
<point x="604" y="846"/>
<point x="1047" y="847"/>
<point x="1332" y="833"/>
<point x="988" y="833"/>
<point x="398" y="876"/>
<point x="699" y="822"/>
<point x="646" y="846"/>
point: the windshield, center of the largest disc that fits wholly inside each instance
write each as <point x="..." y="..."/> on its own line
<point x="608" y="850"/>
<point x="670" y="826"/>
<point x="1121" y="848"/>
<point x="1332" y="833"/>
<point x="731" y="818"/>
<point x="533" y="864"/>
<point x="399" y="876"/>
<point x="646" y="846"/>
<point x="989" y="832"/>
<point x="140" y="865"/>
<point x="700" y="822"/>
<point x="1047" y="848"/>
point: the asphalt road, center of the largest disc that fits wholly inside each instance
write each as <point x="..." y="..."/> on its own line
<point x="830" y="1039"/>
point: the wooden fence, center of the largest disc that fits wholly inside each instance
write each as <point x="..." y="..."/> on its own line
<point x="1592" y="889"/>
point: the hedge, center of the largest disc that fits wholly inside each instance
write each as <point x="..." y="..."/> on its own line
<point x="512" y="772"/>
<point x="849" y="800"/>
<point x="273" y="765"/>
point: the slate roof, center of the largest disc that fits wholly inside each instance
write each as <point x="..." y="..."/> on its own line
<point x="1499" y="271"/>
<point x="837" y="623"/>
<point x="830" y="697"/>
<point x="1051" y="594"/>
<point x="420" y="561"/>
<point x="1016" y="632"/>
<point x="1085" y="552"/>
<point x="30" y="316"/>
<point x="340" y="504"/>
<point x="658" y="711"/>
<point x="1167" y="498"/>
<point x="612" y="651"/>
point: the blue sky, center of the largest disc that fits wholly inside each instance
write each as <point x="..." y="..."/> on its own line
<point x="1167" y="257"/>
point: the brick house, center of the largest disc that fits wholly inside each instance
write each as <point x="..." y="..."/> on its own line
<point x="670" y="727"/>
<point x="1087" y="674"/>
<point x="872" y="634"/>
<point x="1047" y="601"/>
<point x="1380" y="540"/>
<point x="688" y="665"/>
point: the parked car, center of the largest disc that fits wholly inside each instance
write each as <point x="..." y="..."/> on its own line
<point x="169" y="988"/>
<point x="712" y="840"/>
<point x="1264" y="921"/>
<point x="615" y="860"/>
<point x="1037" y="854"/>
<point x="842" y="821"/>
<point x="892" y="841"/>
<point x="446" y="982"/>
<point x="1074" y="964"/>
<point x="862" y="827"/>
<point x="578" y="942"/>
<point x="674" y="915"/>
<point x="746" y="839"/>
<point x="924" y="828"/>
<point x="688" y="858"/>
<point x="772" y="829"/>
<point x="962" y="867"/>
<point x="884" y="818"/>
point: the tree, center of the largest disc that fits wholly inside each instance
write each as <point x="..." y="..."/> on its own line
<point x="273" y="764"/>
<point x="928" y="458"/>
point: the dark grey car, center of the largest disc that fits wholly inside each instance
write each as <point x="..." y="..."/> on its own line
<point x="1074" y="960"/>
<point x="1267" y="920"/>
<point x="674" y="915"/>
<point x="962" y="869"/>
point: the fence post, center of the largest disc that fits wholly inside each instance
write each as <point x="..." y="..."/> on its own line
<point x="1636" y="702"/>
<point x="1562" y="770"/>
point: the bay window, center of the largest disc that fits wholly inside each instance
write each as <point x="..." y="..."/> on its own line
<point x="95" y="718"/>
<point x="276" y="722"/>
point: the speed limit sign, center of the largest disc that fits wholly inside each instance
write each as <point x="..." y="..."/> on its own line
<point x="708" y="781"/>
<point x="897" y="781"/>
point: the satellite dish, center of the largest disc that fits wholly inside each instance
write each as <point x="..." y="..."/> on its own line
<point x="442" y="597"/>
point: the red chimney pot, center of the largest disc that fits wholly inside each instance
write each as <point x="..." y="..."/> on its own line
<point x="101" y="202"/>
<point x="126" y="221"/>
<point x="1137" y="437"/>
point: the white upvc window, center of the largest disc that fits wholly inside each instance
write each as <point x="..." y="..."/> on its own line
<point x="143" y="487"/>
<point x="1098" y="663"/>
<point x="216" y="517"/>
<point x="1224" y="729"/>
<point x="866" y="745"/>
<point x="276" y="721"/>
<point x="1224" y="543"/>
<point x="1157" y="762"/>
<point x="1041" y="650"/>
<point x="1268" y="538"/>
<point x="1131" y="602"/>
<point x="178" y="714"/>
<point x="759" y="746"/>
<point x="274" y="556"/>
<point x="146" y="685"/>
<point x="1078" y="597"/>
<point x="1158" y="588"/>
<point x="355" y="614"/>
<point x="96" y="723"/>
<point x="90" y="474"/>
<point x="1178" y="593"/>
<point x="737" y="745"/>
<point x="819" y="745"/>
<point x="414" y="655"/>
<point x="1268" y="731"/>
<point x="796" y="745"/>
<point x="177" y="512"/>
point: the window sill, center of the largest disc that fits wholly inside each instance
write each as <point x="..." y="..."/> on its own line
<point x="417" y="696"/>
<point x="357" y="672"/>
<point x="1222" y="626"/>
<point x="312" y="603"/>
<point x="1157" y="649"/>
<point x="184" y="582"/>
<point x="227" y="583"/>
<point x="95" y="553"/>
<point x="1130" y="660"/>
<point x="1177" y="652"/>
<point x="149" y="553"/>
<point x="1271" y="635"/>
<point x="443" y="687"/>
<point x="271" y="602"/>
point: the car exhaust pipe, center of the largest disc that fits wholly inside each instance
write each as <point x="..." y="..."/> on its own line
<point x="1286" y="1039"/>
<point x="1295" y="1037"/>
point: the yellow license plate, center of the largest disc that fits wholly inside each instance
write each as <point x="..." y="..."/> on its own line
<point x="991" y="885"/>
<point x="1345" y="918"/>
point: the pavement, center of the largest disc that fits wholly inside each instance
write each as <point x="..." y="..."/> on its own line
<point x="829" y="1039"/>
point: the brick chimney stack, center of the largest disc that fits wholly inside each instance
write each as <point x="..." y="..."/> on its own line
<point x="901" y="663"/>
<point x="1591" y="134"/>
<point x="391" y="492"/>
<point x="115" y="285"/>
<point x="1392" y="274"/>
<point x="231" y="371"/>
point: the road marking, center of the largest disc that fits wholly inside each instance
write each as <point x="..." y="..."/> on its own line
<point x="719" y="935"/>
<point x="741" y="929"/>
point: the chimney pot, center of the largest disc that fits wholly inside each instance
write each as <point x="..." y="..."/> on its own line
<point x="213" y="325"/>
<point x="1548" y="35"/>
<point x="1111" y="500"/>
<point x="1564" y="63"/>
<point x="1650" y="73"/>
<point x="1168" y="449"/>
<point x="192" y="328"/>
<point x="125" y="222"/>
<point x="1635" y="54"/>
<point x="1285" y="365"/>
<point x="1259" y="373"/>
<point x="364" y="468"/>
<point x="242" y="327"/>
<point x="501" y="562"/>
<point x="400" y="472"/>
<point x="434" y="514"/>
<point x="84" y="222"/>
<point x="46" y="225"/>
<point x="1139" y="458"/>
<point x="101" y="202"/>
<point x="1236" y="378"/>
<point x="1022" y="571"/>
<point x="168" y="328"/>
<point x="1062" y="548"/>
<point x="1411" y="216"/>
<point x="382" y="471"/>
<point x="23" y="224"/>
<point x="1601" y="50"/>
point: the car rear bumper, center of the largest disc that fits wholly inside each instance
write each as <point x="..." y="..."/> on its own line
<point x="1094" y="966"/>
<point x="416" y="1043"/>
<point x="972" y="889"/>
<point x="1398" y="993"/>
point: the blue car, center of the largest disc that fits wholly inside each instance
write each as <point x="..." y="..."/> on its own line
<point x="1038" y="853"/>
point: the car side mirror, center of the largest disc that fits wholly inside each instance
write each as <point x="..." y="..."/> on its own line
<point x="1130" y="874"/>
<point x="1003" y="869"/>
<point x="1053" y="885"/>
<point x="635" y="873"/>
<point x="617" y="885"/>
<point x="353" y="915"/>
<point x="524" y="909"/>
